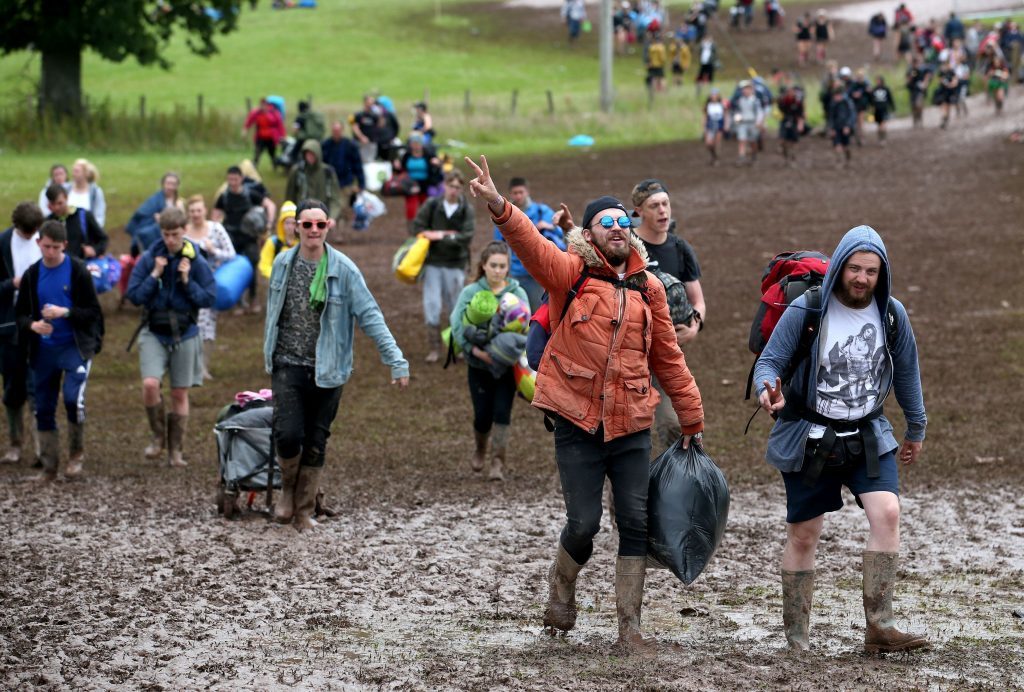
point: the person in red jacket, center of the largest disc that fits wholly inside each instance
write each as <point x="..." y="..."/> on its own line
<point x="594" y="382"/>
<point x="269" y="130"/>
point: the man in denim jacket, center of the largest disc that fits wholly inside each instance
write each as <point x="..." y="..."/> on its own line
<point x="317" y="295"/>
<point x="830" y="430"/>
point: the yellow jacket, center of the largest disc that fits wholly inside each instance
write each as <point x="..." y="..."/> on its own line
<point x="278" y="242"/>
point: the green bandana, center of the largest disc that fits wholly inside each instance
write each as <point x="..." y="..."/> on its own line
<point x="318" y="286"/>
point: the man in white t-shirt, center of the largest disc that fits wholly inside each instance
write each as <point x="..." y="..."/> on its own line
<point x="830" y="431"/>
<point x="18" y="251"/>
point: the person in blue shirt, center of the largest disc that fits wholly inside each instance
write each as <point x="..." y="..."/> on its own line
<point x="541" y="215"/>
<point x="172" y="282"/>
<point x="59" y="313"/>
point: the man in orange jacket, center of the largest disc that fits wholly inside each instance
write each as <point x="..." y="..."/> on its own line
<point x="594" y="381"/>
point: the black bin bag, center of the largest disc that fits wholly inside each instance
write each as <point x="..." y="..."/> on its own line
<point x="687" y="508"/>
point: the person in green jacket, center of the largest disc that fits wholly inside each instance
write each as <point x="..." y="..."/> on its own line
<point x="311" y="178"/>
<point x="448" y="222"/>
<point x="492" y="397"/>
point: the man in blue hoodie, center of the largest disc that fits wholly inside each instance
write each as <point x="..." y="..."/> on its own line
<point x="830" y="431"/>
<point x="171" y="281"/>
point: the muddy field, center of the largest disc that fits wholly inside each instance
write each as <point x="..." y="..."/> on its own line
<point x="432" y="578"/>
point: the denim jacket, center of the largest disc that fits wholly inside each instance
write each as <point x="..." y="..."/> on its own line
<point x="348" y="301"/>
<point x="788" y="438"/>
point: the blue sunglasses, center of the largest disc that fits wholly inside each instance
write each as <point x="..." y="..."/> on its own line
<point x="609" y="222"/>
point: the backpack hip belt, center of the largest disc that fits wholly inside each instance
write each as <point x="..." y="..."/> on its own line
<point x="827" y="442"/>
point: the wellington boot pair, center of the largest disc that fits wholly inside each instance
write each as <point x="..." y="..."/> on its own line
<point x="158" y="427"/>
<point x="16" y="431"/>
<point x="49" y="453"/>
<point x="880" y="635"/>
<point x="300" y="489"/>
<point x="284" y="508"/>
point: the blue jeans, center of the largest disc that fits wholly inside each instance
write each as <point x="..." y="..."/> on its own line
<point x="583" y="462"/>
<point x="49" y="366"/>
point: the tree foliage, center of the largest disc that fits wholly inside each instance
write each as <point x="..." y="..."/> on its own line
<point x="59" y="30"/>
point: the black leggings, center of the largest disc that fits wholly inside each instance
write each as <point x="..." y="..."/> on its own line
<point x="492" y="398"/>
<point x="583" y="462"/>
<point x="303" y="414"/>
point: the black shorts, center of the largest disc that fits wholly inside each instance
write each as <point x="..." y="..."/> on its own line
<point x="804" y="502"/>
<point x="788" y="131"/>
<point x="881" y="115"/>
<point x="943" y="95"/>
<point x="677" y="68"/>
<point x="655" y="72"/>
<point x="840" y="139"/>
<point x="706" y="74"/>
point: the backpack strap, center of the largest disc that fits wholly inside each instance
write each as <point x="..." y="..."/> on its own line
<point x="574" y="291"/>
<point x="83" y="226"/>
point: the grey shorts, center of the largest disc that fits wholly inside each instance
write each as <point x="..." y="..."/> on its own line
<point x="184" y="362"/>
<point x="746" y="132"/>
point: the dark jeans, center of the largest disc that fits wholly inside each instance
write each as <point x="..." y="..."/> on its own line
<point x="16" y="373"/>
<point x="267" y="145"/>
<point x="583" y="462"/>
<point x="303" y="414"/>
<point x="492" y="398"/>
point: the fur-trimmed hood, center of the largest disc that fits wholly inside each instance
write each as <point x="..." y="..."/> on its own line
<point x="593" y="259"/>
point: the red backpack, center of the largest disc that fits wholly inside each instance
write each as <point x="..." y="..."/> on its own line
<point x="787" y="277"/>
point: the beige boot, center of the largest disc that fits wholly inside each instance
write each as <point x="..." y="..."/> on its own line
<point x="177" y="424"/>
<point x="630" y="573"/>
<point x="76" y="450"/>
<point x="499" y="446"/>
<point x="49" y="453"/>
<point x="16" y="428"/>
<point x="797" y="592"/>
<point x="480" y="455"/>
<point x="284" y="508"/>
<point x="561" y="610"/>
<point x="306" y="488"/>
<point x="158" y="426"/>
<point x="881" y="634"/>
<point x="433" y="345"/>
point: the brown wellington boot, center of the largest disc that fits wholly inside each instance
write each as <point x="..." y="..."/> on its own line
<point x="284" y="508"/>
<point x="881" y="634"/>
<point x="306" y="488"/>
<point x="49" y="453"/>
<point x="16" y="428"/>
<point x="499" y="447"/>
<point x="630" y="573"/>
<point x="157" y="425"/>
<point x="480" y="455"/>
<point x="561" y="610"/>
<point x="177" y="424"/>
<point x="76" y="450"/>
<point x="433" y="345"/>
<point x="797" y="591"/>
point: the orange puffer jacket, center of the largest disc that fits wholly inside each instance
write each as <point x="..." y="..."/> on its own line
<point x="597" y="366"/>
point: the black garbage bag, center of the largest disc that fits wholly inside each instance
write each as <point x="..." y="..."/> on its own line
<point x="687" y="508"/>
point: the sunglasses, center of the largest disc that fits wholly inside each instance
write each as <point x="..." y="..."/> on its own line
<point x="309" y="224"/>
<point x="609" y="222"/>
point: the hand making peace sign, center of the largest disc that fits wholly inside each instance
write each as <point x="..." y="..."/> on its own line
<point x="482" y="185"/>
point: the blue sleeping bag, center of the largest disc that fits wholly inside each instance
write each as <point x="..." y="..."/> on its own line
<point x="232" y="278"/>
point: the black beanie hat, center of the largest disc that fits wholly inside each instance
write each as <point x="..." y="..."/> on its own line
<point x="598" y="205"/>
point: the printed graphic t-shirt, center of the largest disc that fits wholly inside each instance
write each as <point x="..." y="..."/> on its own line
<point x="852" y="363"/>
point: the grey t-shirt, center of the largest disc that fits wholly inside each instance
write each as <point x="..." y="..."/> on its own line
<point x="298" y="327"/>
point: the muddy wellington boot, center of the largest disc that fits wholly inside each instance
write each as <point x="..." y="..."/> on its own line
<point x="177" y="424"/>
<point x="881" y="634"/>
<point x="16" y="428"/>
<point x="76" y="450"/>
<point x="480" y="454"/>
<point x="284" y="508"/>
<point x="630" y="573"/>
<point x="499" y="448"/>
<point x="306" y="488"/>
<point x="158" y="427"/>
<point x="49" y="453"/>
<point x="206" y="360"/>
<point x="561" y="610"/>
<point x="433" y="345"/>
<point x="797" y="592"/>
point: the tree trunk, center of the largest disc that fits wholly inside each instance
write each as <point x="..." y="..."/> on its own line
<point x="60" y="91"/>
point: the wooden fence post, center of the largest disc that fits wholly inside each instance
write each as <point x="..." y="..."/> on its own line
<point x="248" y="105"/>
<point x="551" y="103"/>
<point x="199" y="106"/>
<point x="515" y="98"/>
<point x="142" y="107"/>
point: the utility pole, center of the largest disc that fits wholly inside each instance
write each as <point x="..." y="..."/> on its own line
<point x="604" y="25"/>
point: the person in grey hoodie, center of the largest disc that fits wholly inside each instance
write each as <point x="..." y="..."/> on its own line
<point x="748" y="117"/>
<point x="830" y="431"/>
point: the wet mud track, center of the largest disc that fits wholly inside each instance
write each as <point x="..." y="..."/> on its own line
<point x="433" y="579"/>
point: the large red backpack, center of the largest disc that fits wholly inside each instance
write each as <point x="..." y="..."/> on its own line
<point x="787" y="277"/>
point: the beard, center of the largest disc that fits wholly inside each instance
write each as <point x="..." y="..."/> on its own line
<point x="853" y="299"/>
<point x="615" y="256"/>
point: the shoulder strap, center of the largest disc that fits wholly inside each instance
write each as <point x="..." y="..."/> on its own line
<point x="83" y="226"/>
<point x="573" y="292"/>
<point x="891" y="330"/>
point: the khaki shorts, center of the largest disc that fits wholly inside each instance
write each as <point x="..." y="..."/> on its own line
<point x="184" y="362"/>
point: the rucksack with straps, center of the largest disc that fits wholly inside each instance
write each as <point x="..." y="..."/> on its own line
<point x="540" y="323"/>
